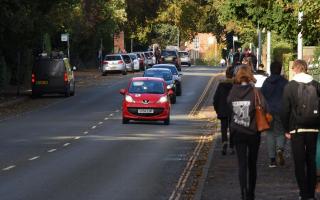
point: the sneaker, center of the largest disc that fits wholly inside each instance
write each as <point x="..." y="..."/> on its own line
<point x="280" y="158"/>
<point x="272" y="163"/>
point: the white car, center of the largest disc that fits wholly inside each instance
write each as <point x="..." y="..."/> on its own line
<point x="114" y="62"/>
<point x="184" y="57"/>
<point x="135" y="60"/>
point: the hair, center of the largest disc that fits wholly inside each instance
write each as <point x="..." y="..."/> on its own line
<point x="244" y="74"/>
<point x="248" y="61"/>
<point x="276" y="67"/>
<point x="300" y="65"/>
<point x="229" y="72"/>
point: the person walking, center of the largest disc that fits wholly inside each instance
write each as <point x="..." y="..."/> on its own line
<point x="301" y="121"/>
<point x="272" y="90"/>
<point x="223" y="111"/>
<point x="243" y="125"/>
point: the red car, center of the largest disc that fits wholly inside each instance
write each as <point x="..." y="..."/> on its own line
<point x="146" y="98"/>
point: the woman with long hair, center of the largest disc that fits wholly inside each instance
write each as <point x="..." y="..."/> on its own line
<point x="241" y="100"/>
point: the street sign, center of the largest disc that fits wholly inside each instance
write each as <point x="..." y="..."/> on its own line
<point x="64" y="37"/>
<point x="235" y="38"/>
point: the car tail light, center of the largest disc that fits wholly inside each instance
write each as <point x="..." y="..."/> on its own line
<point x="65" y="77"/>
<point x="120" y="62"/>
<point x="33" y="79"/>
<point x="105" y="62"/>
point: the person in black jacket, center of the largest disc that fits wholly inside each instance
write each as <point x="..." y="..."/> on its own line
<point x="272" y="89"/>
<point x="223" y="111"/>
<point x="243" y="124"/>
<point x="303" y="138"/>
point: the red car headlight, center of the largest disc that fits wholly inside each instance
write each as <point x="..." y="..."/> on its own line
<point x="129" y="99"/>
<point x="163" y="99"/>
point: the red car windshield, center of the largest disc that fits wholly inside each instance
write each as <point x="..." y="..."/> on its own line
<point x="143" y="87"/>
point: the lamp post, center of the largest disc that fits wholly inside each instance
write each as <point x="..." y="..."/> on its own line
<point x="300" y="41"/>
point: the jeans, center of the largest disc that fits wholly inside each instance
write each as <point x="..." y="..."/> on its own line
<point x="304" y="146"/>
<point x="275" y="136"/>
<point x="225" y="125"/>
<point x="247" y="147"/>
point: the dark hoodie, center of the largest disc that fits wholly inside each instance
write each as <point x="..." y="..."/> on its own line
<point x="241" y="102"/>
<point x="272" y="90"/>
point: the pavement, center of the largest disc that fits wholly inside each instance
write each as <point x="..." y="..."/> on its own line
<point x="220" y="181"/>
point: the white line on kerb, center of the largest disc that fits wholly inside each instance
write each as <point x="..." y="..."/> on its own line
<point x="106" y="118"/>
<point x="34" y="158"/>
<point x="93" y="127"/>
<point x="111" y="115"/>
<point x="8" y="168"/>
<point x="117" y="111"/>
<point x="86" y="132"/>
<point x="52" y="150"/>
<point x="66" y="144"/>
<point x="100" y="123"/>
<point x="77" y="138"/>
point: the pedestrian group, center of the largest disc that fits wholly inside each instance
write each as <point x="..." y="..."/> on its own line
<point x="294" y="107"/>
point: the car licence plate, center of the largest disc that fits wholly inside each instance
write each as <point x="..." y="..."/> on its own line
<point x="145" y="110"/>
<point x="41" y="82"/>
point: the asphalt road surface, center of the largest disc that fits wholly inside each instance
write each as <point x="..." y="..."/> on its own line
<point x="78" y="148"/>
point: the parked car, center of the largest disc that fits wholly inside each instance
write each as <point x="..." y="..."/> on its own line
<point x="176" y="76"/>
<point x="128" y="62"/>
<point x="141" y="60"/>
<point x="168" y="78"/>
<point x="185" y="58"/>
<point x="153" y="57"/>
<point x="113" y="62"/>
<point x="146" y="98"/>
<point x="148" y="59"/>
<point x="135" y="60"/>
<point x="171" y="57"/>
<point x="52" y="75"/>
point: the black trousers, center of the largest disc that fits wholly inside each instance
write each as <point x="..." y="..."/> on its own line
<point x="304" y="147"/>
<point x="225" y="126"/>
<point x="247" y="147"/>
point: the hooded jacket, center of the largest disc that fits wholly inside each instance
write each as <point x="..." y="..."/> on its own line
<point x="241" y="102"/>
<point x="220" y="99"/>
<point x="272" y="90"/>
<point x="290" y="99"/>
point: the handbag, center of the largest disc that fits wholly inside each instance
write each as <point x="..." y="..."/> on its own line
<point x="263" y="119"/>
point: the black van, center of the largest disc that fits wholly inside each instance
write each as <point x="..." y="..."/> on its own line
<point x="52" y="75"/>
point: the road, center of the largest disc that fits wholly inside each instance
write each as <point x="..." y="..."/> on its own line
<point x="77" y="148"/>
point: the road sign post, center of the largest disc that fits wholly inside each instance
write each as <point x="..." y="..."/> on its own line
<point x="65" y="38"/>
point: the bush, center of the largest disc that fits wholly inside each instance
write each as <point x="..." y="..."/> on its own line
<point x="3" y="72"/>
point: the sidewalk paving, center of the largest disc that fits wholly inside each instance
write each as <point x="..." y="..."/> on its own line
<point x="272" y="183"/>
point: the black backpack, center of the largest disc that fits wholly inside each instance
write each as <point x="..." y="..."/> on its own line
<point x="307" y="108"/>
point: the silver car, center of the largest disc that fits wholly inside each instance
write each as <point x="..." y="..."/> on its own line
<point x="128" y="62"/>
<point x="113" y="62"/>
<point x="184" y="57"/>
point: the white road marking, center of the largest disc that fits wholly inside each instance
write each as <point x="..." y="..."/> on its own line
<point x="77" y="138"/>
<point x="86" y="132"/>
<point x="8" y="168"/>
<point x="52" y="150"/>
<point x="106" y="118"/>
<point x="117" y="111"/>
<point x="34" y="158"/>
<point x="66" y="144"/>
<point x="111" y="115"/>
<point x="100" y="123"/>
<point x="93" y="127"/>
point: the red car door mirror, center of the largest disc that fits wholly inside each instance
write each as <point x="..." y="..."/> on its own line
<point x="123" y="91"/>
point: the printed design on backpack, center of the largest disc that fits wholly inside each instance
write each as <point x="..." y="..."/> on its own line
<point x="241" y="113"/>
<point x="307" y="108"/>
